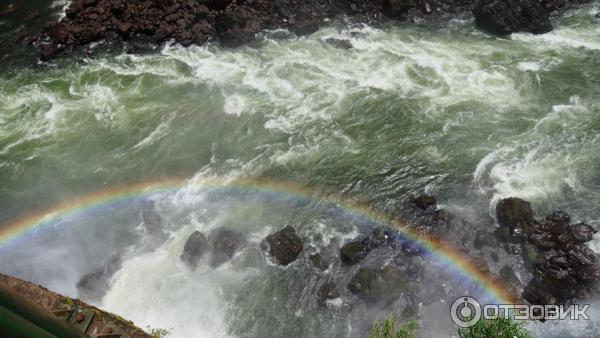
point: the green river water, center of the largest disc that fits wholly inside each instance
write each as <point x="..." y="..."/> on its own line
<point x="443" y="108"/>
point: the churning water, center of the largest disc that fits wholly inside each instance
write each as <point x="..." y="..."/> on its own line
<point x="447" y="109"/>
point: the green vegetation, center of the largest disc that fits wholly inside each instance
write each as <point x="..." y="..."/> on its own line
<point x="499" y="327"/>
<point x="494" y="328"/>
<point x="387" y="329"/>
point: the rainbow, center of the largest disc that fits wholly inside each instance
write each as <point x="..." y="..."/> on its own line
<point x="445" y="253"/>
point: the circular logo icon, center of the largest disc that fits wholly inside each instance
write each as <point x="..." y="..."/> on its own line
<point x="465" y="312"/>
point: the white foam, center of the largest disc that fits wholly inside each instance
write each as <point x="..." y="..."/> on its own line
<point x="188" y="304"/>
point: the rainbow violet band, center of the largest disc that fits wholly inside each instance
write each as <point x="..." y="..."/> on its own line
<point x="444" y="252"/>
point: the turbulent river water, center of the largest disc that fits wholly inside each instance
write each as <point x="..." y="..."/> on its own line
<point x="441" y="108"/>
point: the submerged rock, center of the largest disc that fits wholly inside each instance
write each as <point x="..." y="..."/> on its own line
<point x="424" y="201"/>
<point x="504" y="17"/>
<point x="483" y="239"/>
<point x="151" y="218"/>
<point x="355" y="251"/>
<point x="224" y="243"/>
<point x="327" y="292"/>
<point x="194" y="249"/>
<point x="94" y="285"/>
<point x="378" y="286"/>
<point x="339" y="43"/>
<point x="284" y="245"/>
<point x="318" y="261"/>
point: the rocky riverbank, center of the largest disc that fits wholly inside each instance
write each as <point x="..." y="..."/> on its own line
<point x="235" y="22"/>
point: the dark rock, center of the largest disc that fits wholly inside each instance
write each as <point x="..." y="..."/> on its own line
<point x="284" y="245"/>
<point x="378" y="286"/>
<point x="302" y="28"/>
<point x="319" y="262"/>
<point x="395" y="8"/>
<point x="33" y="16"/>
<point x="355" y="251"/>
<point x="339" y="43"/>
<point x="194" y="249"/>
<point x="514" y="213"/>
<point x="508" y="16"/>
<point x="424" y="201"/>
<point x="536" y="293"/>
<point x="597" y="16"/>
<point x="581" y="232"/>
<point x="95" y="284"/>
<point x="327" y="292"/>
<point x="9" y="9"/>
<point x="224" y="243"/>
<point x="557" y="222"/>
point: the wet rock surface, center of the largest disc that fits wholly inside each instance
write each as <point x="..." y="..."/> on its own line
<point x="235" y="22"/>
<point x="224" y="244"/>
<point x="194" y="249"/>
<point x="284" y="245"/>
<point x="563" y="266"/>
<point x="353" y="252"/>
<point x="508" y="16"/>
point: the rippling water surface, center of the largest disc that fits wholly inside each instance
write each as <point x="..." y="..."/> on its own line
<point x="467" y="117"/>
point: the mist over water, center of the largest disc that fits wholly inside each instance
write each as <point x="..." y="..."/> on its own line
<point x="447" y="109"/>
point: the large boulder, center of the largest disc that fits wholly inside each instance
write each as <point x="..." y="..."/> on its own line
<point x="224" y="243"/>
<point x="194" y="249"/>
<point x="514" y="213"/>
<point x="284" y="245"/>
<point x="504" y="17"/>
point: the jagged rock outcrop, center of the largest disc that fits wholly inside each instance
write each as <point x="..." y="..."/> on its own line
<point x="233" y="22"/>
<point x="284" y="245"/>
<point x="563" y="266"/>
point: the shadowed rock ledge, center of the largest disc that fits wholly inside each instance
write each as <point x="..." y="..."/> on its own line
<point x="235" y="22"/>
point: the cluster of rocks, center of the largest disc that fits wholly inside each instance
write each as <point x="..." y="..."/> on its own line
<point x="563" y="266"/>
<point x="220" y="246"/>
<point x="234" y="22"/>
